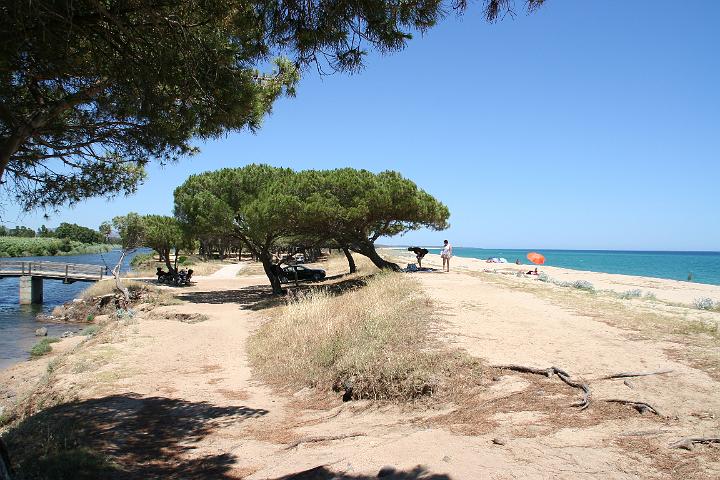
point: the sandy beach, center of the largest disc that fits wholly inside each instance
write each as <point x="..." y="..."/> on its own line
<point x="173" y="396"/>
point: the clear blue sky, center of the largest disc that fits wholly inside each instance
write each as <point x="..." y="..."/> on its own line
<point x="591" y="124"/>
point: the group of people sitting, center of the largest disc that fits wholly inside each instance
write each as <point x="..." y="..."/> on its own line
<point x="181" y="277"/>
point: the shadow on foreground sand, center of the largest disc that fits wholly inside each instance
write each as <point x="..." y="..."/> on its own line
<point x="122" y="437"/>
<point x="260" y="297"/>
<point x="322" y="473"/>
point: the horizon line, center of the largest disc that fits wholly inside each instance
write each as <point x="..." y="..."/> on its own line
<point x="556" y="249"/>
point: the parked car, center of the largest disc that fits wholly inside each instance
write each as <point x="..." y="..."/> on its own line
<point x="303" y="273"/>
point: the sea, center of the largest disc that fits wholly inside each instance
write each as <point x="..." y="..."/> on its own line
<point x="18" y="323"/>
<point x="700" y="267"/>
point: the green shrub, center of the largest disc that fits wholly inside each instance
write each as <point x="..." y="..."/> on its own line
<point x="583" y="285"/>
<point x="628" y="294"/>
<point x="142" y="258"/>
<point x="705" y="303"/>
<point x="43" y="347"/>
<point x="90" y="330"/>
<point x="52" y="365"/>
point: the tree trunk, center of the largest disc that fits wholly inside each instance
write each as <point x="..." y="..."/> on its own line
<point x="269" y="268"/>
<point x="350" y="259"/>
<point x="165" y="254"/>
<point x="368" y="249"/>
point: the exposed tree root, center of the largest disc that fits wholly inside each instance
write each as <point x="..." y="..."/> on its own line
<point x="641" y="407"/>
<point x="585" y="403"/>
<point x="688" y="443"/>
<point x="322" y="439"/>
<point x="635" y="374"/>
<point x="644" y="433"/>
<point x="562" y="375"/>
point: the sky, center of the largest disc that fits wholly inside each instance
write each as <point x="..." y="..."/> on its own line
<point x="585" y="125"/>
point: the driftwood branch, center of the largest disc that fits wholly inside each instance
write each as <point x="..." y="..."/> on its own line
<point x="118" y="278"/>
<point x="562" y="375"/>
<point x="688" y="443"/>
<point x="641" y="407"/>
<point x="635" y="374"/>
<point x="322" y="439"/>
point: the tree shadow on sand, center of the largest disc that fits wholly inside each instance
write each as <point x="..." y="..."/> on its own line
<point x="323" y="473"/>
<point x="260" y="297"/>
<point x="123" y="437"/>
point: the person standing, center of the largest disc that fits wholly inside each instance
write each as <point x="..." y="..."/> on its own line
<point x="446" y="254"/>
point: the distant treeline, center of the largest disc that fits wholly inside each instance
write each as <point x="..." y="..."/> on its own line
<point x="40" y="247"/>
<point x="68" y="231"/>
<point x="66" y="239"/>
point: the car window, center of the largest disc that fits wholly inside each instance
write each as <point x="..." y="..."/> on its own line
<point x="300" y="268"/>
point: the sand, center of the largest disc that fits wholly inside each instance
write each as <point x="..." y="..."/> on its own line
<point x="524" y="428"/>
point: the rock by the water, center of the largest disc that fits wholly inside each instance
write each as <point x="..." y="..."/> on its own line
<point x="41" y="332"/>
<point x="499" y="441"/>
<point x="67" y="334"/>
<point x="386" y="471"/>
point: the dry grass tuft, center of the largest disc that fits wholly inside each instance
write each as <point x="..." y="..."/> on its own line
<point x="106" y="287"/>
<point x="374" y="342"/>
<point x="139" y="292"/>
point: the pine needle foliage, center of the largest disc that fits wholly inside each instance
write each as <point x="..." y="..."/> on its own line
<point x="93" y="90"/>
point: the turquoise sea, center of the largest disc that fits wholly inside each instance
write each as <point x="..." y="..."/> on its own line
<point x="701" y="267"/>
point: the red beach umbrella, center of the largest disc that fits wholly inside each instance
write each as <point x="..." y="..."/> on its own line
<point x="536" y="258"/>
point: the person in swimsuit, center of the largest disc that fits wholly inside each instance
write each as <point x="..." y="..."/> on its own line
<point x="446" y="254"/>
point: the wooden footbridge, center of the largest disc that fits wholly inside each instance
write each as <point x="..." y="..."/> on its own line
<point x="32" y="275"/>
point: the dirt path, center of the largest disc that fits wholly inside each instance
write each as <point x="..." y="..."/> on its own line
<point x="178" y="400"/>
<point x="229" y="271"/>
